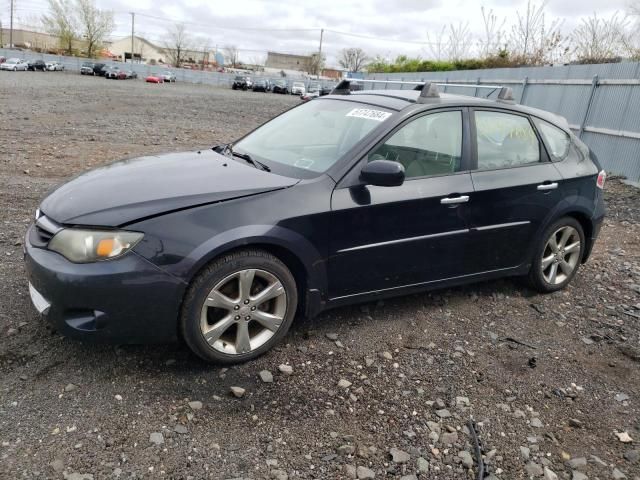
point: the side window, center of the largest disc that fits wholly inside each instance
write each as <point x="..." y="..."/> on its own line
<point x="505" y="140"/>
<point x="429" y="145"/>
<point x="557" y="140"/>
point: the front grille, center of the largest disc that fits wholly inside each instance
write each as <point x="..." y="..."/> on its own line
<point x="43" y="235"/>
<point x="43" y="231"/>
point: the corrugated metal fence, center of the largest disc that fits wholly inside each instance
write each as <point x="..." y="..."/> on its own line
<point x="601" y="102"/>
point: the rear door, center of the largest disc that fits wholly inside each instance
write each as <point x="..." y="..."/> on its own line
<point x="515" y="187"/>
<point x="384" y="238"/>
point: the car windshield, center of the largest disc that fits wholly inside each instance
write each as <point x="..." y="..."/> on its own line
<point x="298" y="84"/>
<point x="309" y="139"/>
<point x="86" y="64"/>
<point x="13" y="60"/>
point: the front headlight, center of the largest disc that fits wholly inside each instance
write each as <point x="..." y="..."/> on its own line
<point x="84" y="246"/>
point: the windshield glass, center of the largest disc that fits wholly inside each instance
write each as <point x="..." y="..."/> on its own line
<point x="312" y="137"/>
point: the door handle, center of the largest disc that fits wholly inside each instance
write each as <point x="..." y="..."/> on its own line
<point x="548" y="186"/>
<point x="454" y="200"/>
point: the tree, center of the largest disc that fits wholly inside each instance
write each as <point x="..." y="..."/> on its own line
<point x="177" y="44"/>
<point x="353" y="59"/>
<point x="315" y="63"/>
<point x="61" y="22"/>
<point x="598" y="40"/>
<point x="459" y="42"/>
<point x="532" y="40"/>
<point x="437" y="45"/>
<point x="232" y="55"/>
<point x="95" y="25"/>
<point x="491" y="43"/>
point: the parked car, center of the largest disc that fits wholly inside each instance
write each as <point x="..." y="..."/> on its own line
<point x="87" y="68"/>
<point x="326" y="89"/>
<point x="127" y="74"/>
<point x="280" y="86"/>
<point x="112" y="72"/>
<point x="350" y="198"/>
<point x="313" y="88"/>
<point x="36" y="65"/>
<point x="241" y="82"/>
<point x="168" y="76"/>
<point x="55" y="66"/>
<point x="260" y="86"/>
<point x="99" y="69"/>
<point x="154" y="79"/>
<point x="297" y="88"/>
<point x="14" y="64"/>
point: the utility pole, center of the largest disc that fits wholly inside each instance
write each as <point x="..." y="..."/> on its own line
<point x="133" y="22"/>
<point x="320" y="54"/>
<point x="11" y="27"/>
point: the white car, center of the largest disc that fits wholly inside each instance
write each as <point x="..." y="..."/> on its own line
<point x="14" y="64"/>
<point x="54" y="66"/>
<point x="298" y="88"/>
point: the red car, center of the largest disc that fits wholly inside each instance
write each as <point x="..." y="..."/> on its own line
<point x="154" y="79"/>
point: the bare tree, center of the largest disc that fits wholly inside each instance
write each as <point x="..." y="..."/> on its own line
<point x="95" y="24"/>
<point x="177" y="44"/>
<point x="61" y="22"/>
<point x="533" y="41"/>
<point x="232" y="54"/>
<point x="459" y="41"/>
<point x="353" y="59"/>
<point x="598" y="40"/>
<point x="315" y="63"/>
<point x="437" y="44"/>
<point x="632" y="41"/>
<point x="492" y="41"/>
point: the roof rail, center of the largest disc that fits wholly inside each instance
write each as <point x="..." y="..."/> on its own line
<point x="505" y="94"/>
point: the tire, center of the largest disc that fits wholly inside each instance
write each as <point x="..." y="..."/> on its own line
<point x="225" y="324"/>
<point x="567" y="257"/>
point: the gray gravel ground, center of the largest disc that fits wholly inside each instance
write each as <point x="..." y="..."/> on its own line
<point x="381" y="390"/>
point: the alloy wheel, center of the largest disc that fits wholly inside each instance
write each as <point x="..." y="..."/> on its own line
<point x="561" y="255"/>
<point x="243" y="311"/>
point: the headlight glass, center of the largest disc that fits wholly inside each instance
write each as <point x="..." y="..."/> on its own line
<point x="84" y="246"/>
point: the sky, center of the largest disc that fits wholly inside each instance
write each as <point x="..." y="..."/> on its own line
<point x="380" y="27"/>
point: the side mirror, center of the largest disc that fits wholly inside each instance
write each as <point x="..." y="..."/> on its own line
<point x="383" y="173"/>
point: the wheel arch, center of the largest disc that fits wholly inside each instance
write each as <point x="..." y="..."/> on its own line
<point x="303" y="260"/>
<point x="582" y="215"/>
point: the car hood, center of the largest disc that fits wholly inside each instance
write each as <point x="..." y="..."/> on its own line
<point x="129" y="190"/>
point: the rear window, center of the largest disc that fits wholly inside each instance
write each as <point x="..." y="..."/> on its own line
<point x="556" y="139"/>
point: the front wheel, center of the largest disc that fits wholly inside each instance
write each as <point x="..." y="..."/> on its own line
<point x="558" y="257"/>
<point x="239" y="307"/>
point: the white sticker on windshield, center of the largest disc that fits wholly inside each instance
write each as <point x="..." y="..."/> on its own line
<point x="369" y="114"/>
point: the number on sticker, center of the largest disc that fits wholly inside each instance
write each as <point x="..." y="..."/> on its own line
<point x="369" y="114"/>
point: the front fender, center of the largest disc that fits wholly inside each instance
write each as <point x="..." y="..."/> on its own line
<point x="297" y="245"/>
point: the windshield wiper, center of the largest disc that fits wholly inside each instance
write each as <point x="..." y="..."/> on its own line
<point x="228" y="150"/>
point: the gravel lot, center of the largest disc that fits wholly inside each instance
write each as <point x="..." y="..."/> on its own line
<point x="382" y="389"/>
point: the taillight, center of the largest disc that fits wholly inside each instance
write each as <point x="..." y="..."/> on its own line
<point x="602" y="177"/>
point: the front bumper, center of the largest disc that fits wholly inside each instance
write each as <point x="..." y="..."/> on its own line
<point x="126" y="300"/>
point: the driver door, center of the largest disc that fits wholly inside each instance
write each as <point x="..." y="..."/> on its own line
<point x="384" y="238"/>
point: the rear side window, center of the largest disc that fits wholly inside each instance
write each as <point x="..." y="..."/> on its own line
<point x="556" y="139"/>
<point x="505" y="140"/>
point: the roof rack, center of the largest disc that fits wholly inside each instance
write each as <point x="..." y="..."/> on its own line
<point x="427" y="89"/>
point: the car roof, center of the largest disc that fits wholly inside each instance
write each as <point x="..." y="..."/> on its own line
<point x="400" y="99"/>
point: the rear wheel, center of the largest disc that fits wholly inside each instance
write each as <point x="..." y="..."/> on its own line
<point x="558" y="257"/>
<point x="239" y="307"/>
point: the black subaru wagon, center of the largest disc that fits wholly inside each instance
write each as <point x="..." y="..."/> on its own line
<point x="346" y="198"/>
